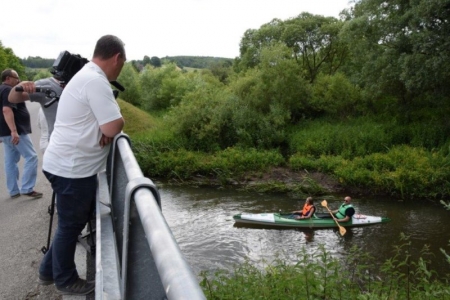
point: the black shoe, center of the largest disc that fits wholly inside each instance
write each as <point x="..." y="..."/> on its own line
<point x="79" y="287"/>
<point x="44" y="280"/>
<point x="33" y="194"/>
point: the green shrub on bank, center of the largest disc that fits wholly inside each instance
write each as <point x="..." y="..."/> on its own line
<point x="183" y="164"/>
<point x="322" y="276"/>
<point x="403" y="170"/>
<point x="348" y="139"/>
<point x="364" y="135"/>
<point x="324" y="163"/>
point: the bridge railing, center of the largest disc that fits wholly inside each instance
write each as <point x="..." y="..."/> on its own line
<point x="137" y="256"/>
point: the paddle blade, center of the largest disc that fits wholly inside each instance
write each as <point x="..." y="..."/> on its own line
<point x="324" y="203"/>
<point x="342" y="230"/>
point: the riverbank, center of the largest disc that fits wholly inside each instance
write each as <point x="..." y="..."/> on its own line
<point x="277" y="180"/>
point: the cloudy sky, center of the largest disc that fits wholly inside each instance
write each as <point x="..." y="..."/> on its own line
<point x="148" y="27"/>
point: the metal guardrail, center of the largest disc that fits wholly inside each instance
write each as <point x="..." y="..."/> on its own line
<point x="137" y="256"/>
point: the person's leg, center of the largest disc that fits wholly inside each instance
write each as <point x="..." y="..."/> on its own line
<point x="26" y="149"/>
<point x="74" y="198"/>
<point x="12" y="157"/>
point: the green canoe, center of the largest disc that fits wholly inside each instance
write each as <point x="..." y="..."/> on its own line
<point x="319" y="220"/>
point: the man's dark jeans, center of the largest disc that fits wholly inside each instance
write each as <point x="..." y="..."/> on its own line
<point x="75" y="201"/>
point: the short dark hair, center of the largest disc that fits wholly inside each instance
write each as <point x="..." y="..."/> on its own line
<point x="6" y="73"/>
<point x="108" y="46"/>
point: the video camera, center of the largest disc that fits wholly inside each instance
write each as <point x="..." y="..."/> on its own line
<point x="67" y="65"/>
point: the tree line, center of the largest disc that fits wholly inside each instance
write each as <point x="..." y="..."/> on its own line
<point x="197" y="62"/>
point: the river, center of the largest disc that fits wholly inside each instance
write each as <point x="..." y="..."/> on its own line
<point x="201" y="220"/>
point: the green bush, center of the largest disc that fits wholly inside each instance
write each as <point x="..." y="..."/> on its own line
<point x="324" y="163"/>
<point x="163" y="87"/>
<point x="321" y="276"/>
<point x="129" y="78"/>
<point x="156" y="161"/>
<point x="357" y="137"/>
<point x="209" y="128"/>
<point x="239" y="160"/>
<point x="335" y="95"/>
<point x="403" y="170"/>
<point x="276" y="82"/>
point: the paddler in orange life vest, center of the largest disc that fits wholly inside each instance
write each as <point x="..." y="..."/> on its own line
<point x="345" y="212"/>
<point x="307" y="211"/>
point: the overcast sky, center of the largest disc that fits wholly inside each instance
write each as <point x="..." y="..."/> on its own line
<point x="147" y="27"/>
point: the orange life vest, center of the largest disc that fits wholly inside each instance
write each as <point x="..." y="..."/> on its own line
<point x="306" y="209"/>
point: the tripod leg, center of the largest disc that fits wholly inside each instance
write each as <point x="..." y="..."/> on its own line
<point x="91" y="237"/>
<point x="51" y="211"/>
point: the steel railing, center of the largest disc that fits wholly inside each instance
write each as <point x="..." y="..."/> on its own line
<point x="137" y="256"/>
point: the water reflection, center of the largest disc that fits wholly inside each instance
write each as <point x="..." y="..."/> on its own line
<point x="201" y="221"/>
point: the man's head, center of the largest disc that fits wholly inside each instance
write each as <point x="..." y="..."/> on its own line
<point x="10" y="77"/>
<point x="347" y="200"/>
<point x="309" y="200"/>
<point x="109" y="55"/>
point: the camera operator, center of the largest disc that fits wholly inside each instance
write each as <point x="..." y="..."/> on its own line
<point x="49" y="112"/>
<point x="65" y="66"/>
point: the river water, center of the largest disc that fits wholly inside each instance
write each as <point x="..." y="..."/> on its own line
<point x="201" y="219"/>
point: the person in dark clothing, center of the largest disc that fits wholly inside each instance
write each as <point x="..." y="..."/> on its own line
<point x="15" y="128"/>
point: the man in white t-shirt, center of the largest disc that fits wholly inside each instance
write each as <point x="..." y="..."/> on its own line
<point x="87" y="120"/>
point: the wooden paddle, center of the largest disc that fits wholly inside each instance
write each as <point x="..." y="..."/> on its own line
<point x="342" y="230"/>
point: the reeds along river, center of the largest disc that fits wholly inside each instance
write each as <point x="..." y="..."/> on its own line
<point x="201" y="220"/>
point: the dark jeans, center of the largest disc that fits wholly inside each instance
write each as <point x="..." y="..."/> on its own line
<point x="75" y="202"/>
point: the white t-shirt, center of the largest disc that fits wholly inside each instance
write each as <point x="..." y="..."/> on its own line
<point x="86" y="103"/>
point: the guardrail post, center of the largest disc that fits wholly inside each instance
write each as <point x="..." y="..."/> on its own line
<point x="132" y="186"/>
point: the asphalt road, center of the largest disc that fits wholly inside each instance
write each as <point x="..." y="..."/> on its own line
<point x="24" y="227"/>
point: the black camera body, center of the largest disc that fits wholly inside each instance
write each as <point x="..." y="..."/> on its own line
<point x="67" y="65"/>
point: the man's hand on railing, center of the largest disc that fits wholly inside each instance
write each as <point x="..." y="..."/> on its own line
<point x="105" y="140"/>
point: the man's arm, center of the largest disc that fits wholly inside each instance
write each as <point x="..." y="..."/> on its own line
<point x="346" y="219"/>
<point x="112" y="128"/>
<point x="19" y="97"/>
<point x="9" y="119"/>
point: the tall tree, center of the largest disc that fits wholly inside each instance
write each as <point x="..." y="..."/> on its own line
<point x="313" y="39"/>
<point x="155" y="61"/>
<point x="146" y="60"/>
<point x="315" y="42"/>
<point x="401" y="49"/>
<point x="254" y="40"/>
<point x="8" y="60"/>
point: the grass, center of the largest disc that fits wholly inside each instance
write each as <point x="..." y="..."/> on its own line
<point x="137" y="121"/>
<point x="321" y="276"/>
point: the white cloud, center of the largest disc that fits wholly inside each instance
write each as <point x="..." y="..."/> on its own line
<point x="154" y="28"/>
